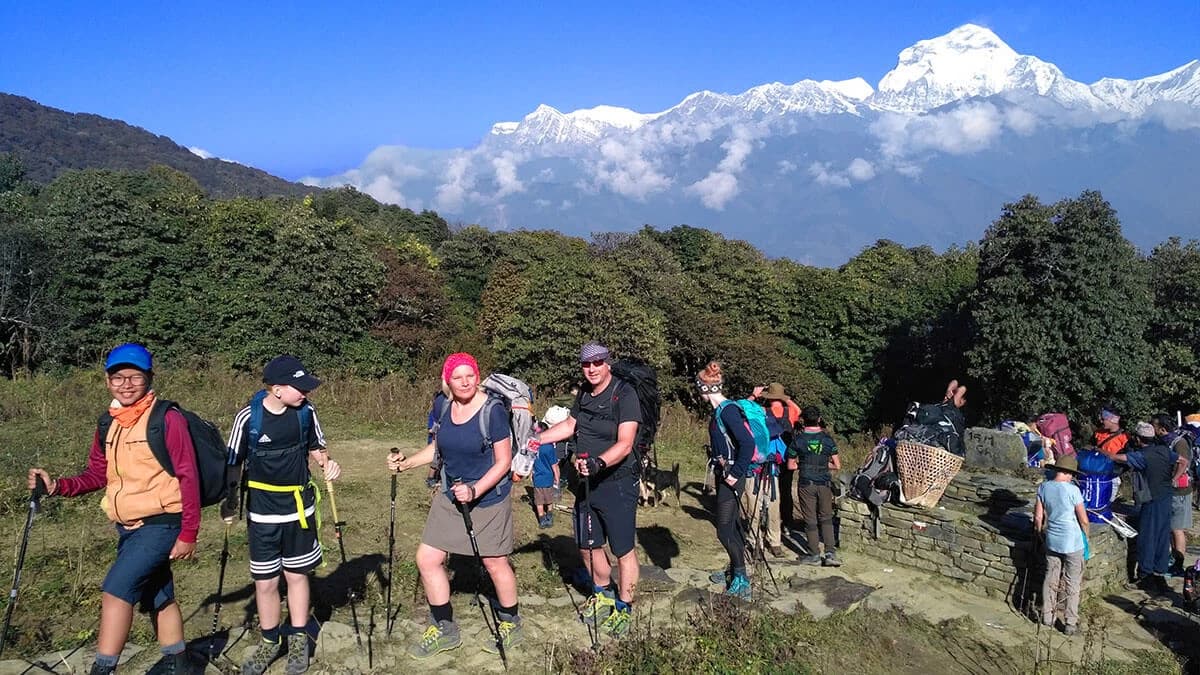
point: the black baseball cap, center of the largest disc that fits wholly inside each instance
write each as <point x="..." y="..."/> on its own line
<point x="287" y="369"/>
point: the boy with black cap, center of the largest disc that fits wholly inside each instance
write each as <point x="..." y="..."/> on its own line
<point x="156" y="513"/>
<point x="276" y="436"/>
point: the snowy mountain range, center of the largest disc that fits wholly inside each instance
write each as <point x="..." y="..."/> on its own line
<point x="816" y="170"/>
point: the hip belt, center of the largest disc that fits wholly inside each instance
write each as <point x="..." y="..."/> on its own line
<point x="298" y="492"/>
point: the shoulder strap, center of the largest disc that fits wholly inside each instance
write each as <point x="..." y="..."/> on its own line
<point x="256" y="422"/>
<point x="485" y="414"/>
<point x="304" y="415"/>
<point x="102" y="426"/>
<point x="156" y="434"/>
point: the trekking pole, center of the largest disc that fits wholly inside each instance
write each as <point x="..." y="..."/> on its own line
<point x="338" y="524"/>
<point x="764" y="520"/>
<point x="212" y="637"/>
<point x="494" y="624"/>
<point x="593" y="631"/>
<point x="391" y="552"/>
<point x="35" y="499"/>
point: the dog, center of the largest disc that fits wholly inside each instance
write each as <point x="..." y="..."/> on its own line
<point x="654" y="482"/>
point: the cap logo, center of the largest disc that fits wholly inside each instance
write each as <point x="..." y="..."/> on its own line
<point x="298" y="374"/>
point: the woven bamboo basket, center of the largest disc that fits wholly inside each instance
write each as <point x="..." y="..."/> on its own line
<point x="925" y="472"/>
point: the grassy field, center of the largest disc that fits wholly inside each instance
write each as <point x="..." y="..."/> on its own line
<point x="48" y="421"/>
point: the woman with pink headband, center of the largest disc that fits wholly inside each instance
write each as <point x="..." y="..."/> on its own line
<point x="475" y="475"/>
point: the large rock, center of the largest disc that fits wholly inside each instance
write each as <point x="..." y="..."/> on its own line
<point x="824" y="596"/>
<point x="992" y="449"/>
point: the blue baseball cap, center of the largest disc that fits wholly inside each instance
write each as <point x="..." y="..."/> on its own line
<point x="129" y="355"/>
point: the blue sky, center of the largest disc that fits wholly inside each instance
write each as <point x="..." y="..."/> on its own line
<point x="310" y="88"/>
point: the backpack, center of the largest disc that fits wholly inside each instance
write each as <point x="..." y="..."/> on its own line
<point x="875" y="479"/>
<point x="1057" y="427"/>
<point x="517" y="398"/>
<point x="1192" y="436"/>
<point x="756" y="422"/>
<point x="211" y="453"/>
<point x="255" y="425"/>
<point x="939" y="424"/>
<point x="644" y="381"/>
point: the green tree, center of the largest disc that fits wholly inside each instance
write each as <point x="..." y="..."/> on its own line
<point x="1060" y="311"/>
<point x="1174" y="333"/>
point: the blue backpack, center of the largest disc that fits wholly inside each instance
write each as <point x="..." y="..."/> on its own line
<point x="254" y="430"/>
<point x="765" y="452"/>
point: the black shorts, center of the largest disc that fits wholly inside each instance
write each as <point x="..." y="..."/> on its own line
<point x="610" y="516"/>
<point x="282" y="546"/>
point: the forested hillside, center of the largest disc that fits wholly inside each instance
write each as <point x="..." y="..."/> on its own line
<point x="1054" y="308"/>
<point x="50" y="141"/>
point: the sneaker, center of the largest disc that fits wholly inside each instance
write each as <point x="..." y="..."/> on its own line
<point x="510" y="636"/>
<point x="617" y="623"/>
<point x="814" y="560"/>
<point x="1069" y="629"/>
<point x="598" y="608"/>
<point x="831" y="560"/>
<point x="719" y="577"/>
<point x="261" y="658"/>
<point x="739" y="587"/>
<point x="98" y="669"/>
<point x="297" y="653"/>
<point x="1175" y="570"/>
<point x="439" y="637"/>
<point x="1159" y="585"/>
<point x="546" y="521"/>
<point x="776" y="551"/>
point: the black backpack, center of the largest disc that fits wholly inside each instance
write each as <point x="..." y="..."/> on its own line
<point x="211" y="453"/>
<point x="644" y="381"/>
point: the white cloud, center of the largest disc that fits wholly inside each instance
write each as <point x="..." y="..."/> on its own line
<point x="964" y="130"/>
<point x="1175" y="115"/>
<point x="1021" y="121"/>
<point x="567" y="204"/>
<point x="545" y="175"/>
<point x="506" y="174"/>
<point x="383" y="189"/>
<point x="824" y="175"/>
<point x="860" y="170"/>
<point x="721" y="185"/>
<point x="625" y="169"/>
<point x="541" y="203"/>
<point x="458" y="185"/>
<point x="201" y="153"/>
<point x="786" y="166"/>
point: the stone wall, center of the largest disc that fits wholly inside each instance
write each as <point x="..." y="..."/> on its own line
<point x="979" y="536"/>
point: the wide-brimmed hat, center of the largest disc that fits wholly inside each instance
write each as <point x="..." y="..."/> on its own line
<point x="774" y="392"/>
<point x="1066" y="464"/>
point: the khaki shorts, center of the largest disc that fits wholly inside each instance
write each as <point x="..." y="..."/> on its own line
<point x="544" y="496"/>
<point x="445" y="530"/>
<point x="1181" y="512"/>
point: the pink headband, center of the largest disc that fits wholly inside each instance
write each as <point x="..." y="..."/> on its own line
<point x="458" y="359"/>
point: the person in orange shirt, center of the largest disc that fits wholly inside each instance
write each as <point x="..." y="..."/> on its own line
<point x="1109" y="438"/>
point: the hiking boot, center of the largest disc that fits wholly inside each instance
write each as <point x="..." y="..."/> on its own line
<point x="175" y="664"/>
<point x="814" y="560"/>
<point x="98" y="669"/>
<point x="1175" y="570"/>
<point x="776" y="551"/>
<point x="1158" y="585"/>
<point x="439" y="637"/>
<point x="546" y="521"/>
<point x="719" y="577"/>
<point x="598" y="608"/>
<point x="617" y="623"/>
<point x="297" y="653"/>
<point x="510" y="635"/>
<point x="739" y="587"/>
<point x="262" y="657"/>
<point x="1070" y="629"/>
<point x="831" y="560"/>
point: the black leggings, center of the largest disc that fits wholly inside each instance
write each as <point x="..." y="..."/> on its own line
<point x="728" y="532"/>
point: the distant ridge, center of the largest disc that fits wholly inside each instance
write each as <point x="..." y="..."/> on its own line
<point x="50" y="141"/>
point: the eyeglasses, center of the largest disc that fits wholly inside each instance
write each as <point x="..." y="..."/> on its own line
<point x="136" y="380"/>
<point x="594" y="364"/>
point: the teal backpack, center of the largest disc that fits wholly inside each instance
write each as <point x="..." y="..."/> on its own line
<point x="756" y="422"/>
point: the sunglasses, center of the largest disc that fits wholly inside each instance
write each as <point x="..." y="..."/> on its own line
<point x="593" y="364"/>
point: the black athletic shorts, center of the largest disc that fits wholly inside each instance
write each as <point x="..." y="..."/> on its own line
<point x="611" y="514"/>
<point x="282" y="546"/>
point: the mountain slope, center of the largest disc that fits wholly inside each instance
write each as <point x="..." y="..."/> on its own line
<point x="50" y="141"/>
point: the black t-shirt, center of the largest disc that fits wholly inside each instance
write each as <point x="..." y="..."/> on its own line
<point x="597" y="417"/>
<point x="814" y="449"/>
<point x="280" y="458"/>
